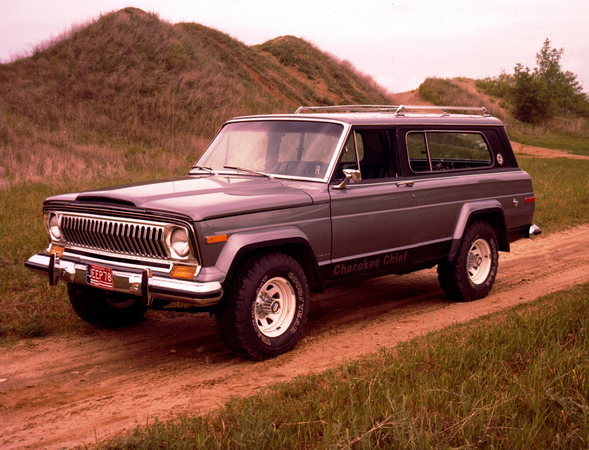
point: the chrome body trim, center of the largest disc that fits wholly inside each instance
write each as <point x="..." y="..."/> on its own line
<point x="114" y="235"/>
<point x="534" y="231"/>
<point x="139" y="283"/>
<point x="130" y="238"/>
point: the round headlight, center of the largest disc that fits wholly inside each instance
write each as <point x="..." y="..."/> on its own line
<point x="179" y="242"/>
<point x="54" y="227"/>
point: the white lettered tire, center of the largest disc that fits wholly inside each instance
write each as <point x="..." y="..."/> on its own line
<point x="264" y="310"/>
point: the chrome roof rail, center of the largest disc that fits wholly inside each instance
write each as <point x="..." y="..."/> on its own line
<point x="398" y="110"/>
<point x="444" y="109"/>
<point x="348" y="108"/>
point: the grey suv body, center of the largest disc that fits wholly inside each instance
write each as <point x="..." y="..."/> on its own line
<point x="280" y="205"/>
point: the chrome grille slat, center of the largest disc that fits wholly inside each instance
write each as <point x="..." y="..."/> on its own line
<point x="116" y="236"/>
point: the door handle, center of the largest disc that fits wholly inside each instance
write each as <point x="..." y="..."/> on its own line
<point x="407" y="183"/>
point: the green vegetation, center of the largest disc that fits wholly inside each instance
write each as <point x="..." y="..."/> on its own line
<point x="516" y="379"/>
<point x="561" y="187"/>
<point x="538" y="95"/>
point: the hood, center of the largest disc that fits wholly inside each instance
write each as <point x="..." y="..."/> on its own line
<point x="198" y="197"/>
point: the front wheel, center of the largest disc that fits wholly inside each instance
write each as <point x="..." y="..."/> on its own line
<point x="105" y="308"/>
<point x="472" y="275"/>
<point x="265" y="307"/>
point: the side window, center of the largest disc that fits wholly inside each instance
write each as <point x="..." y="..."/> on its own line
<point x="373" y="155"/>
<point x="375" y="164"/>
<point x="442" y="151"/>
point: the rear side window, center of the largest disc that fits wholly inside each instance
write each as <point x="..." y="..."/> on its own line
<point x="431" y="151"/>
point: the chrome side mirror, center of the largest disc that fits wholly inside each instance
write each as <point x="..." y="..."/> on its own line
<point x="349" y="174"/>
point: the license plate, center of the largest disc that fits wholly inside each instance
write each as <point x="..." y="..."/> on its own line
<point x="99" y="276"/>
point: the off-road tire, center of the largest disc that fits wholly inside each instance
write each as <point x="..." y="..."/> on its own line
<point x="264" y="309"/>
<point x="472" y="275"/>
<point x="107" y="309"/>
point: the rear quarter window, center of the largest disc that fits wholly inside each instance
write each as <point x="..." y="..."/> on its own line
<point x="432" y="151"/>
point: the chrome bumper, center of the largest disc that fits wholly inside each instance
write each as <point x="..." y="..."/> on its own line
<point x="534" y="231"/>
<point x="143" y="284"/>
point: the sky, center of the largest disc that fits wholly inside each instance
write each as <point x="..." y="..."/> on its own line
<point x="398" y="43"/>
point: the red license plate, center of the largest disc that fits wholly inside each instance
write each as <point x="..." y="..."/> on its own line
<point x="99" y="276"/>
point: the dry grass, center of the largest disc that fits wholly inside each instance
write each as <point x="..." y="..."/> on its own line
<point x="129" y="94"/>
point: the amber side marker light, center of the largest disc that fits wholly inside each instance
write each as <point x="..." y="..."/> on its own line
<point x="214" y="239"/>
<point x="186" y="272"/>
<point x="56" y="250"/>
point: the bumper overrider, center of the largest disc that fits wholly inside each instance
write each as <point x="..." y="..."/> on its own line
<point x="140" y="282"/>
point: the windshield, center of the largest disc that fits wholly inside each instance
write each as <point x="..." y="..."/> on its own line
<point x="279" y="147"/>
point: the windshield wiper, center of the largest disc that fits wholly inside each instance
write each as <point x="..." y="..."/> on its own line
<point x="205" y="168"/>
<point x="255" y="172"/>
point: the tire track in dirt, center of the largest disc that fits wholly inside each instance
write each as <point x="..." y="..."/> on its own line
<point x="97" y="383"/>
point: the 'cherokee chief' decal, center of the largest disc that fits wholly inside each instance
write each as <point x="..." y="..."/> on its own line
<point x="367" y="264"/>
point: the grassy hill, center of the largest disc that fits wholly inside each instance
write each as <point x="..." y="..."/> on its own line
<point x="130" y="80"/>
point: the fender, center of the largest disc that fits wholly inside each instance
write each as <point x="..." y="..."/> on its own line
<point x="280" y="238"/>
<point x="474" y="209"/>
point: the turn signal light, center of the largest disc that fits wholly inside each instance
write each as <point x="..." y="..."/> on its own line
<point x="214" y="239"/>
<point x="186" y="272"/>
<point x="56" y="250"/>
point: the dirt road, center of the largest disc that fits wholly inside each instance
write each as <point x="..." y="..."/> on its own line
<point x="97" y="383"/>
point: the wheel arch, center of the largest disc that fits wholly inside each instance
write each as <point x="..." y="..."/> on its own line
<point x="289" y="240"/>
<point x="490" y="212"/>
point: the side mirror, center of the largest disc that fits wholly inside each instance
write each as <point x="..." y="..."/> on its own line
<point x="349" y="174"/>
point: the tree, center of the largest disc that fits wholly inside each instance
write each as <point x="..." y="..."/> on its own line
<point x="546" y="91"/>
<point x="530" y="99"/>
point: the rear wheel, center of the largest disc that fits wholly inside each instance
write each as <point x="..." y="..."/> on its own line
<point x="105" y="308"/>
<point x="472" y="275"/>
<point x="265" y="307"/>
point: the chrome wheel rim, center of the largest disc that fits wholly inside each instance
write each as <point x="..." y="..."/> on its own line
<point x="275" y="306"/>
<point x="479" y="261"/>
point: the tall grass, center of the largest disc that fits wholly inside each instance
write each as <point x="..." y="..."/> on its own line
<point x="561" y="187"/>
<point x="131" y="78"/>
<point x="28" y="307"/>
<point x="515" y="379"/>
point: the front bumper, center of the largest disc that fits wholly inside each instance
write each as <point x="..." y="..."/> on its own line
<point x="142" y="283"/>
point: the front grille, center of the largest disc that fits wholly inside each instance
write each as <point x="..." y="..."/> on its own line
<point x="116" y="236"/>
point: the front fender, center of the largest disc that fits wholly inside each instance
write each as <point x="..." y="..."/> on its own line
<point x="239" y="244"/>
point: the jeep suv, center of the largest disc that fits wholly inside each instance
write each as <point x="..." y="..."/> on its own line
<point x="281" y="205"/>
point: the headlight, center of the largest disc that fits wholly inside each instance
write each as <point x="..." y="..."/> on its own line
<point x="179" y="242"/>
<point x="53" y="227"/>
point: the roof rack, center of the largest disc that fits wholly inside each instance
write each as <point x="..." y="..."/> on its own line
<point x="398" y="110"/>
<point x="348" y="108"/>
